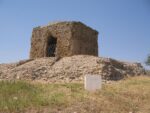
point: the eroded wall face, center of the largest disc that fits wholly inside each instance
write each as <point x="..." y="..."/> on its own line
<point x="84" y="41"/>
<point x="40" y="38"/>
<point x="37" y="44"/>
<point x="73" y="38"/>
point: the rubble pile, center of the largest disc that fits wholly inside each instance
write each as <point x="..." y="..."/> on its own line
<point x="67" y="69"/>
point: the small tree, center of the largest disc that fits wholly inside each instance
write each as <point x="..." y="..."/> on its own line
<point x="148" y="60"/>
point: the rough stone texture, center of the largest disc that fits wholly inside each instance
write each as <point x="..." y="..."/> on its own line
<point x="68" y="69"/>
<point x="73" y="38"/>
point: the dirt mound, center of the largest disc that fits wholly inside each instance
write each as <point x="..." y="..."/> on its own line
<point x="69" y="69"/>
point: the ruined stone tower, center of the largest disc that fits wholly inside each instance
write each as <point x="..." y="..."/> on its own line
<point x="63" y="39"/>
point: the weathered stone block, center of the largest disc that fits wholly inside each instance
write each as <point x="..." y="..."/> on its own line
<point x="92" y="82"/>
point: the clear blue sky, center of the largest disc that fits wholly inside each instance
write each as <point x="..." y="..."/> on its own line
<point x="123" y="25"/>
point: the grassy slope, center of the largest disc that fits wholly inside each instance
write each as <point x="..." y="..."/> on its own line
<point x="131" y="95"/>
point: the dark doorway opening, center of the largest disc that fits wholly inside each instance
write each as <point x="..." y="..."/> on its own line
<point x="51" y="46"/>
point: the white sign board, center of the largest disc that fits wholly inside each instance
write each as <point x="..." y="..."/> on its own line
<point x="92" y="82"/>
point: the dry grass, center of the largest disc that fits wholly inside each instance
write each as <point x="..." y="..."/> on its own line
<point x="148" y="72"/>
<point x="130" y="95"/>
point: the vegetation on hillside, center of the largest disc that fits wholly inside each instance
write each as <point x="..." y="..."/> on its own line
<point x="131" y="95"/>
<point x="148" y="61"/>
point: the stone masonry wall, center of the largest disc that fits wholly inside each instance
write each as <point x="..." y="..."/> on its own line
<point x="39" y="39"/>
<point x="73" y="38"/>
<point x="84" y="40"/>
